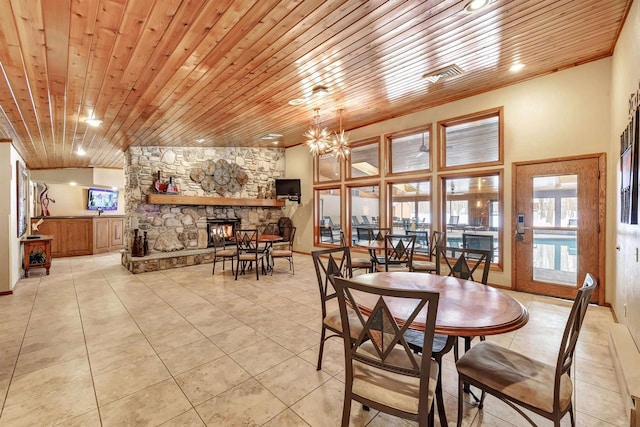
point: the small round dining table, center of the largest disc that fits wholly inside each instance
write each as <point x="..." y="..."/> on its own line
<point x="465" y="308"/>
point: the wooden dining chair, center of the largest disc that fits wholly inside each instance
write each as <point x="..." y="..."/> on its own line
<point x="330" y="264"/>
<point x="286" y="252"/>
<point x="398" y="253"/>
<point x="222" y="253"/>
<point x="248" y="251"/>
<point x="381" y="371"/>
<point x="357" y="263"/>
<point x="467" y="264"/>
<point x="438" y="238"/>
<point x="522" y="381"/>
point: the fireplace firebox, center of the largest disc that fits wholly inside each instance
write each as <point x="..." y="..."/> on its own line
<point x="221" y="227"/>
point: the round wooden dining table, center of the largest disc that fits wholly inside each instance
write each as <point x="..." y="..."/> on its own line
<point x="465" y="308"/>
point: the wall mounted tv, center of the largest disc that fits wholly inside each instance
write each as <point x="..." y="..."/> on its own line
<point x="289" y="188"/>
<point x="100" y="198"/>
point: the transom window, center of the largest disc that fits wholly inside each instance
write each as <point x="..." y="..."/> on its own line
<point x="470" y="141"/>
<point x="410" y="151"/>
<point x="364" y="159"/>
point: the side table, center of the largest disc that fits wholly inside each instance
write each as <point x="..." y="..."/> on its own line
<point x="36" y="253"/>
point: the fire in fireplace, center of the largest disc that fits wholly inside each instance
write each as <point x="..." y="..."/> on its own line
<point x="221" y="227"/>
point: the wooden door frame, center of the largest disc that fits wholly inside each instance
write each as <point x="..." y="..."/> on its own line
<point x="602" y="210"/>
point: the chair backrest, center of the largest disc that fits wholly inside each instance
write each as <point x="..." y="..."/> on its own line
<point x="379" y="233"/>
<point x="326" y="235"/>
<point x="365" y="220"/>
<point x="329" y="264"/>
<point x="218" y="241"/>
<point x="292" y="236"/>
<point x="453" y="220"/>
<point x="438" y="238"/>
<point x="364" y="233"/>
<point x="422" y="240"/>
<point x="478" y="241"/>
<point x="571" y="332"/>
<point x="247" y="240"/>
<point x="355" y="221"/>
<point x="327" y="221"/>
<point x="391" y="351"/>
<point x="463" y="263"/>
<point x="398" y="250"/>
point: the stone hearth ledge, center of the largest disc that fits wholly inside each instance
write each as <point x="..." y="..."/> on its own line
<point x="158" y="261"/>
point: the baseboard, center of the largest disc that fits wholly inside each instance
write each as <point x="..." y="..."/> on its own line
<point x="626" y="359"/>
<point x="6" y="293"/>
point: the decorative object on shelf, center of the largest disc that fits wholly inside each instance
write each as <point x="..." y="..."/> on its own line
<point x="207" y="184"/>
<point x="260" y="192"/>
<point x="209" y="167"/>
<point x="45" y="200"/>
<point x="172" y="187"/>
<point x="134" y="245"/>
<point x="145" y="245"/>
<point x="160" y="185"/>
<point x="34" y="229"/>
<point x="37" y="257"/>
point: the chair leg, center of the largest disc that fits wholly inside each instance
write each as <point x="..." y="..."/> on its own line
<point x="573" y="422"/>
<point x="214" y="265"/>
<point x="439" y="397"/>
<point x="346" y="408"/>
<point x="293" y="269"/>
<point x="460" y="402"/>
<point x="322" y="339"/>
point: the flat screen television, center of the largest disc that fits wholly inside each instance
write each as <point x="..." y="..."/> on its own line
<point x="100" y="198"/>
<point x="289" y="188"/>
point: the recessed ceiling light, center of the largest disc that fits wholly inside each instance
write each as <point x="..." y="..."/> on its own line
<point x="476" y="5"/>
<point x="81" y="152"/>
<point x="93" y="122"/>
<point x="516" y="67"/>
<point x="73" y="183"/>
<point x="297" y="101"/>
<point x="200" y="140"/>
<point x="271" y="136"/>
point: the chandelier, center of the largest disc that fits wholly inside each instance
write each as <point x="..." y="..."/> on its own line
<point x="317" y="138"/>
<point x="320" y="142"/>
<point x="340" y="147"/>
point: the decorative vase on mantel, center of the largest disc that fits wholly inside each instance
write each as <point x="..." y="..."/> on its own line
<point x="260" y="192"/>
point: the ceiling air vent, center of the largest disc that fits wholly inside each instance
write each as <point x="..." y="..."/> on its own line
<point x="445" y="72"/>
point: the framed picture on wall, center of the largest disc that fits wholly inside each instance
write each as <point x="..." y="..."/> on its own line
<point x="23" y="194"/>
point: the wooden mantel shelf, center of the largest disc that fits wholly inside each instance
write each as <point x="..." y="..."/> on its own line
<point x="172" y="199"/>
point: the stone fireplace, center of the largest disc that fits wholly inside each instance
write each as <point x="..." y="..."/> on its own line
<point x="221" y="227"/>
<point x="179" y="234"/>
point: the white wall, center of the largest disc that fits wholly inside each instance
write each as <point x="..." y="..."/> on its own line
<point x="10" y="256"/>
<point x="558" y="115"/>
<point x="72" y="201"/>
<point x="625" y="65"/>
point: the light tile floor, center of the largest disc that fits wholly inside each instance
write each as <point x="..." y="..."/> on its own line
<point x="92" y="344"/>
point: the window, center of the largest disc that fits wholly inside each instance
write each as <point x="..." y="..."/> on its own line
<point x="328" y="223"/>
<point x="471" y="208"/>
<point x="410" y="151"/>
<point x="364" y="159"/>
<point x="410" y="206"/>
<point x="474" y="140"/>
<point x="365" y="207"/>
<point x="327" y="168"/>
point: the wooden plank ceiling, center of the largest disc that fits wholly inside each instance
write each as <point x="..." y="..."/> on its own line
<point x="221" y="73"/>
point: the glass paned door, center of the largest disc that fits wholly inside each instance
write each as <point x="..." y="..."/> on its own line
<point x="561" y="205"/>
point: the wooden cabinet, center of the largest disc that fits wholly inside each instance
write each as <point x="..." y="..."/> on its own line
<point x="74" y="236"/>
<point x="107" y="234"/>
<point x="36" y="254"/>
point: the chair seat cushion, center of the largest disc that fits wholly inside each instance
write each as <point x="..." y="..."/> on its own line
<point x="333" y="321"/>
<point x="515" y="375"/>
<point x="423" y="266"/>
<point x="250" y="257"/>
<point x="281" y="253"/>
<point x="361" y="262"/>
<point x="227" y="252"/>
<point x="392" y="267"/>
<point x="391" y="389"/>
